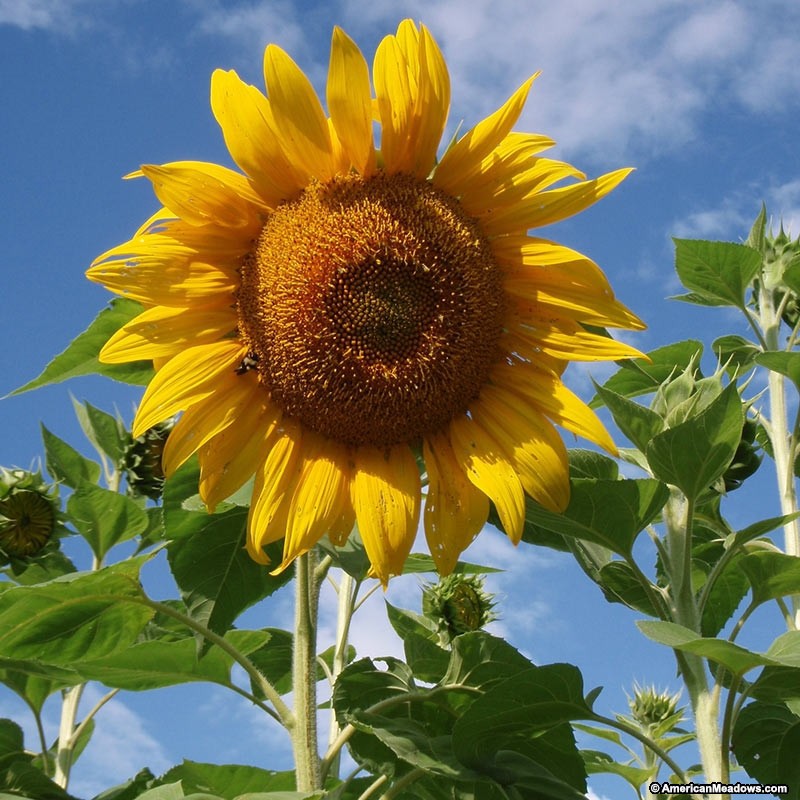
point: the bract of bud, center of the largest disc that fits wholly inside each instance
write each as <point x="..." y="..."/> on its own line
<point x="458" y="604"/>
<point x="29" y="513"/>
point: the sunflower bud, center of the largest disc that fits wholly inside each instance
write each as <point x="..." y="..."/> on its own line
<point x="28" y="513"/>
<point x="458" y="604"/>
<point x="650" y="708"/>
<point x="141" y="462"/>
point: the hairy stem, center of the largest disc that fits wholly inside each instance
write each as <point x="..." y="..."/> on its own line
<point x="69" y="711"/>
<point x="304" y="675"/>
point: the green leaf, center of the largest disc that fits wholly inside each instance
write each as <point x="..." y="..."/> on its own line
<point x="766" y="741"/>
<point x="589" y="464"/>
<point x="154" y="664"/>
<point x="105" y="518"/>
<point x="108" y="434"/>
<point x="21" y="779"/>
<point x="785" y="363"/>
<point x="65" y="463"/>
<point x="737" y="659"/>
<point x="758" y="529"/>
<point x="12" y="740"/>
<point x="598" y="763"/>
<point x="639" y="376"/>
<point x="786" y="649"/>
<point x="776" y="685"/>
<point x="229" y="781"/>
<point x="274" y="661"/>
<point x="33" y="689"/>
<point x="695" y="453"/>
<point x="76" y="618"/>
<point x="771" y="575"/>
<point x="620" y="584"/>
<point x="608" y="513"/>
<point x="717" y="272"/>
<point x="481" y="660"/>
<point x="724" y="597"/>
<point x="639" y="423"/>
<point x="736" y="352"/>
<point x="81" y="355"/>
<point x="217" y="578"/>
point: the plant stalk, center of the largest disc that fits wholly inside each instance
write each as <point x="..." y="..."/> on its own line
<point x="66" y="744"/>
<point x="304" y="676"/>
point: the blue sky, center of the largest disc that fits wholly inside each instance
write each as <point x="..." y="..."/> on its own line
<point x="702" y="98"/>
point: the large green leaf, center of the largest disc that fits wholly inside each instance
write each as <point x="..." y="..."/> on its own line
<point x="105" y="518"/>
<point x="766" y="741"/>
<point x="695" y="453"/>
<point x="217" y="578"/>
<point x="643" y="376"/>
<point x="76" y="618"/>
<point x="21" y="779"/>
<point x="718" y="273"/>
<point x="228" y="781"/>
<point x="735" y="352"/>
<point x="605" y="512"/>
<point x="771" y="574"/>
<point x="724" y="597"/>
<point x="737" y="659"/>
<point x="786" y="649"/>
<point x="620" y="584"/>
<point x="480" y="660"/>
<point x="154" y="664"/>
<point x="81" y="355"/>
<point x="34" y="689"/>
<point x="776" y="684"/>
<point x="65" y="464"/>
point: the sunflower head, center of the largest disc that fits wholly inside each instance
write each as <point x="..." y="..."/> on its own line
<point x="29" y="513"/>
<point x="651" y="708"/>
<point x="343" y="302"/>
<point x="142" y="461"/>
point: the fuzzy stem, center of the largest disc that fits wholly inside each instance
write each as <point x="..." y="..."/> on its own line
<point x="304" y="677"/>
<point x="348" y="591"/>
<point x="69" y="711"/>
<point x="783" y="440"/>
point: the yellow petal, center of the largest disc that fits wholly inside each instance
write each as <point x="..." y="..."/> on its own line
<point x="232" y="456"/>
<point x="298" y="115"/>
<point x="244" y="115"/>
<point x="274" y="486"/>
<point x="464" y="158"/>
<point x="544" y="208"/>
<point x="320" y="498"/>
<point x="412" y="88"/>
<point x="350" y="101"/>
<point x="455" y="510"/>
<point x="200" y="193"/>
<point x="490" y="470"/>
<point x="552" y="398"/>
<point x="516" y="183"/>
<point x="191" y="376"/>
<point x="535" y="448"/>
<point x="207" y="417"/>
<point x="162" y="331"/>
<point x="386" y="498"/>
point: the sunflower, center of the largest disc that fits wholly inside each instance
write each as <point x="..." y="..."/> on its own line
<point x="335" y="314"/>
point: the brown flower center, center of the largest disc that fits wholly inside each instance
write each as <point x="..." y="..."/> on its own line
<point x="372" y="308"/>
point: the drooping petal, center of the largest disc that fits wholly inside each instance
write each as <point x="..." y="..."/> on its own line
<point x="231" y="457"/>
<point x="244" y="115"/>
<point x="200" y="193"/>
<point x="298" y="115"/>
<point x="164" y="331"/>
<point x="321" y="496"/>
<point x="538" y="455"/>
<point x="490" y="469"/>
<point x="386" y="498"/>
<point x="455" y="510"/>
<point x="273" y="489"/>
<point x="556" y="401"/>
<point x="350" y="101"/>
<point x="209" y="416"/>
<point x="464" y="158"/>
<point x="191" y="376"/>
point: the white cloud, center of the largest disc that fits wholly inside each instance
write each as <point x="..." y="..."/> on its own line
<point x="61" y="16"/>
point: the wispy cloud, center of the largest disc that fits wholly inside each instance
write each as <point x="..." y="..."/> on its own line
<point x="61" y="15"/>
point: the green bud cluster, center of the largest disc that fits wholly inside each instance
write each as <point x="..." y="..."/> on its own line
<point x="458" y="604"/>
<point x="141" y="462"/>
<point x="651" y="708"/>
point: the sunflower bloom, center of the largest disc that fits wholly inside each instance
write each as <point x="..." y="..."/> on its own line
<point x="335" y="311"/>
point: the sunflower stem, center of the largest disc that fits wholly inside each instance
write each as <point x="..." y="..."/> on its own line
<point x="69" y="711"/>
<point x="304" y="676"/>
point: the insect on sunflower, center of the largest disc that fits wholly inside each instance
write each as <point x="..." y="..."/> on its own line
<point x="336" y="307"/>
